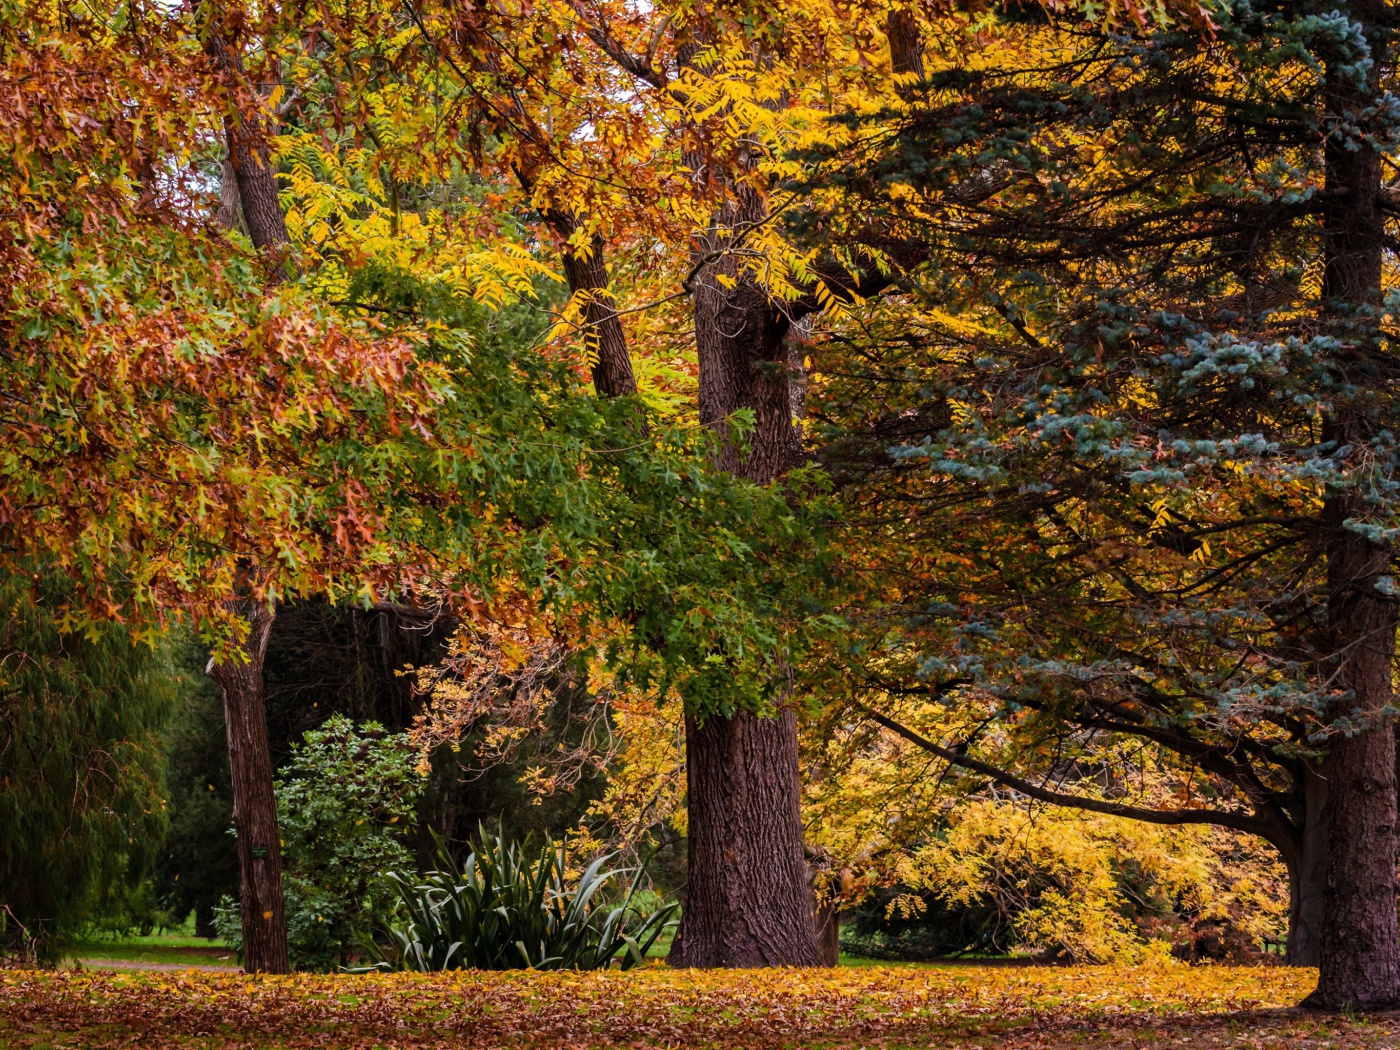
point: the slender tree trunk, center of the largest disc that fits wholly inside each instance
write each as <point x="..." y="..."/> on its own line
<point x="829" y="934"/>
<point x="604" y="339"/>
<point x="248" y="137"/>
<point x="1307" y="873"/>
<point x="250" y="185"/>
<point x="1359" y="961"/>
<point x="254" y="805"/>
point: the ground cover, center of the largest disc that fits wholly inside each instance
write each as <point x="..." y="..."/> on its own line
<point x="945" y="1007"/>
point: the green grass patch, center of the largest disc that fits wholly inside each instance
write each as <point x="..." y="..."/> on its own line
<point x="157" y="949"/>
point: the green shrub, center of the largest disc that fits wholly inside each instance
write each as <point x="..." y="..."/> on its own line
<point x="512" y="906"/>
<point x="344" y="804"/>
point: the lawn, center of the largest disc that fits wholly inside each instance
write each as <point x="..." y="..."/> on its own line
<point x="155" y="950"/>
<point x="896" y="1009"/>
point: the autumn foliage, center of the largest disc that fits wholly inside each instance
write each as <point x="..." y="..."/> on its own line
<point x="765" y="1010"/>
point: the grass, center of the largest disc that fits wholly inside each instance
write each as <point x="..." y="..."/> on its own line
<point x="168" y="949"/>
<point x="958" y="1007"/>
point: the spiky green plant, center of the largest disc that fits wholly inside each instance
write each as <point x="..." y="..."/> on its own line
<point x="511" y="906"/>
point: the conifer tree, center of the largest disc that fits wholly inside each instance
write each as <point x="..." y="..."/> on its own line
<point x="1127" y="437"/>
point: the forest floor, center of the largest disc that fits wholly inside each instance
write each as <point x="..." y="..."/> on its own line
<point x="950" y="1008"/>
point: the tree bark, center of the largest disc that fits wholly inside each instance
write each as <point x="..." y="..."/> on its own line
<point x="230" y="209"/>
<point x="1359" y="960"/>
<point x="1307" y="874"/>
<point x="254" y="805"/>
<point x="906" y="45"/>
<point x="829" y="934"/>
<point x="248" y="138"/>
<point x="604" y="338"/>
<point x="748" y="900"/>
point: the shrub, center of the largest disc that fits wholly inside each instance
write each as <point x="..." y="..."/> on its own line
<point x="513" y="906"/>
<point x="343" y="804"/>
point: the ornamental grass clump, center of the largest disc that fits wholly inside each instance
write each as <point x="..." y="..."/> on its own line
<point x="512" y="906"/>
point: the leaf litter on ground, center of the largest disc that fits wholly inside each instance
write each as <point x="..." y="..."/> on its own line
<point x="1087" y="1007"/>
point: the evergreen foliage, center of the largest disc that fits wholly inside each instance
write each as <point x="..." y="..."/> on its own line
<point x="82" y="720"/>
<point x="1129" y="417"/>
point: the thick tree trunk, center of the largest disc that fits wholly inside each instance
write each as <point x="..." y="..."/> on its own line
<point x="748" y="901"/>
<point x="1360" y="950"/>
<point x="254" y="805"/>
<point x="1359" y="963"/>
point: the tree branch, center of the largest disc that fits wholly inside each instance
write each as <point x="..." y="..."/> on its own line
<point x="1173" y="817"/>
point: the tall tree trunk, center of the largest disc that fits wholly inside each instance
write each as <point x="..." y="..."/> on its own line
<point x="604" y="338"/>
<point x="253" y="190"/>
<point x="748" y="900"/>
<point x="254" y="805"/>
<point x="248" y="137"/>
<point x="1359" y="964"/>
<point x="1307" y="874"/>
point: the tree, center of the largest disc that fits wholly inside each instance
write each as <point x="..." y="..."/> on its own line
<point x="81" y="764"/>
<point x="1134" y="473"/>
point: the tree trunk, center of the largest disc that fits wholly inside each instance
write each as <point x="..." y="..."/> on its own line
<point x="1307" y="874"/>
<point x="748" y="901"/>
<point x="254" y="805"/>
<point x="1359" y="961"/>
<point x="604" y="338"/>
<point x="247" y="134"/>
<point x="906" y="45"/>
<point x="829" y="934"/>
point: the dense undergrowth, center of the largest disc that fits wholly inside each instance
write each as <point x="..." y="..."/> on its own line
<point x="1002" y="1006"/>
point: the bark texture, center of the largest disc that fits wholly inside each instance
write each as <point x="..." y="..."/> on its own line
<point x="604" y="338"/>
<point x="254" y="805"/>
<point x="1360" y="946"/>
<point x="906" y="44"/>
<point x="248" y="134"/>
<point x="230" y="209"/>
<point x="748" y="900"/>
<point x="829" y="934"/>
<point x="1307" y="874"/>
